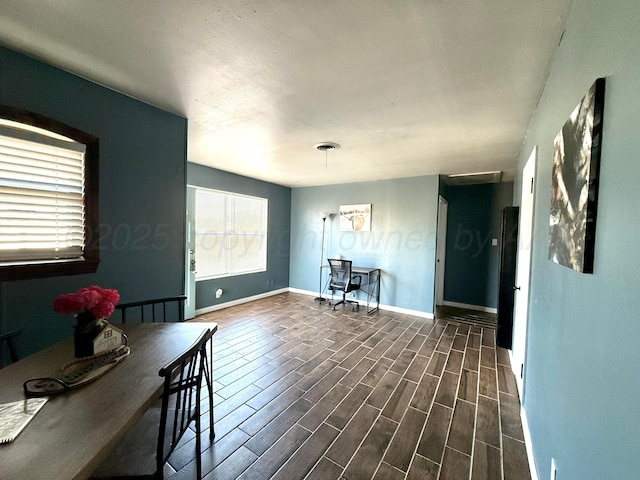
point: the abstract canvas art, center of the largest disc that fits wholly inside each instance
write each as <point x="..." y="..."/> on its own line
<point x="574" y="183"/>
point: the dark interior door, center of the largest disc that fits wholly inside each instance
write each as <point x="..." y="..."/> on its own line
<point x="508" y="260"/>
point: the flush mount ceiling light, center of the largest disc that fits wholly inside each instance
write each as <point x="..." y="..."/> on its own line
<point x="325" y="147"/>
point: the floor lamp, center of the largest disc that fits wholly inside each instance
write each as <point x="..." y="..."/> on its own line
<point x="320" y="298"/>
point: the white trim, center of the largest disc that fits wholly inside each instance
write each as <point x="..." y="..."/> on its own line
<point x="223" y="231"/>
<point x="303" y="292"/>
<point x="519" y="385"/>
<point x="441" y="249"/>
<point x="406" y="311"/>
<point x="390" y="308"/>
<point x="528" y="444"/>
<point x="524" y="262"/>
<point x="240" y="301"/>
<point x="478" y="308"/>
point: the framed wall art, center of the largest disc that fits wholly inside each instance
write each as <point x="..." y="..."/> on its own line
<point x="355" y="218"/>
<point x="574" y="183"/>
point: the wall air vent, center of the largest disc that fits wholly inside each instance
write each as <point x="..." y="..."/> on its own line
<point x="473" y="178"/>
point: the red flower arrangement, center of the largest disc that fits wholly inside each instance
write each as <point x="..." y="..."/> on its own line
<point x="89" y="303"/>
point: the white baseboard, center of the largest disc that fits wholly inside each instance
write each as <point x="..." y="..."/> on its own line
<point x="303" y="292"/>
<point x="240" y="301"/>
<point x="389" y="308"/>
<point x="528" y="444"/>
<point x="478" y="308"/>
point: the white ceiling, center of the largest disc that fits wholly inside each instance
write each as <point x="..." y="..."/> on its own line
<point x="406" y="87"/>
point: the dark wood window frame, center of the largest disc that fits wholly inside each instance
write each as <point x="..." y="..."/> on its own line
<point x="88" y="263"/>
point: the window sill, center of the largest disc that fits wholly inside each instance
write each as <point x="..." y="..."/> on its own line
<point x="53" y="268"/>
<point x="227" y="275"/>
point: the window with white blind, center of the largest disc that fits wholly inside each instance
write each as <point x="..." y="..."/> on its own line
<point x="48" y="205"/>
<point x="231" y="234"/>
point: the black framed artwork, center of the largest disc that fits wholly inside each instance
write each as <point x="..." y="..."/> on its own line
<point x="574" y="183"/>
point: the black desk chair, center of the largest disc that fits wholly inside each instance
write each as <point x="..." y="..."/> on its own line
<point x="341" y="280"/>
<point x="155" y="309"/>
<point x="138" y="456"/>
<point x="7" y="342"/>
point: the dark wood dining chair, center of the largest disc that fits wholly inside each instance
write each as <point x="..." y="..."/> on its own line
<point x="8" y="346"/>
<point x="208" y="380"/>
<point x="138" y="456"/>
<point x="155" y="310"/>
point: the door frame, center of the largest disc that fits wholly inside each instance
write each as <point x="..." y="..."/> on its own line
<point x="523" y="272"/>
<point x="190" y="259"/>
<point x="441" y="250"/>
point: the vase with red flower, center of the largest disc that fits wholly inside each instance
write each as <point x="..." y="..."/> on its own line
<point x="91" y="307"/>
<point x="86" y="330"/>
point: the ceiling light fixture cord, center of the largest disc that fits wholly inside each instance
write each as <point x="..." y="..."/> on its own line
<point x="325" y="147"/>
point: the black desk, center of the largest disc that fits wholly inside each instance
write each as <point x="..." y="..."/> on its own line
<point x="370" y="284"/>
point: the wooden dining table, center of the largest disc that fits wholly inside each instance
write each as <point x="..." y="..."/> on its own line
<point x="75" y="430"/>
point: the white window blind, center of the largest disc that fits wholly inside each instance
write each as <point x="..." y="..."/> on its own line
<point x="41" y="196"/>
<point x="231" y="234"/>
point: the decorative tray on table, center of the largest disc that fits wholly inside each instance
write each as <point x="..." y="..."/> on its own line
<point x="76" y="373"/>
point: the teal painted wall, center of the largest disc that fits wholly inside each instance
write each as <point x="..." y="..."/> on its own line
<point x="472" y="264"/>
<point x="401" y="241"/>
<point x="278" y="236"/>
<point x="142" y="195"/>
<point x="581" y="383"/>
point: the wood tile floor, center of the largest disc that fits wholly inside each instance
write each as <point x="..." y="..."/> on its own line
<point x="303" y="392"/>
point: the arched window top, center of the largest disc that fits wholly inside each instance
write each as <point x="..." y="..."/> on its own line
<point x="48" y="197"/>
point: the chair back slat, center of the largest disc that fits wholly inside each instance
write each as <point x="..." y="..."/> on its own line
<point x="207" y="379"/>
<point x="155" y="308"/>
